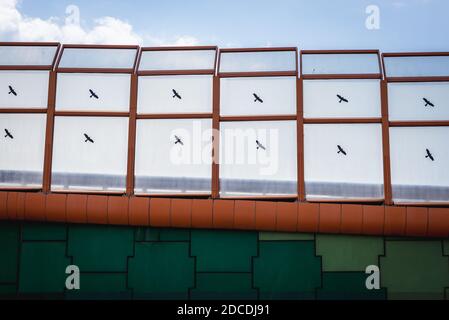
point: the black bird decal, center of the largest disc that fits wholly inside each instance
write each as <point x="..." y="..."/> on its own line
<point x="178" y="140"/>
<point x="340" y="150"/>
<point x="12" y="91"/>
<point x="429" y="155"/>
<point x="428" y="103"/>
<point x="342" y="99"/>
<point x="260" y="146"/>
<point x="8" y="134"/>
<point x="93" y="94"/>
<point x="257" y="98"/>
<point x="88" y="139"/>
<point x="176" y="94"/>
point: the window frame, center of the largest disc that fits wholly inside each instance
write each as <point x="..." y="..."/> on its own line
<point x="52" y="113"/>
<point x="383" y="119"/>
<point x="96" y="70"/>
<point x="134" y="117"/>
<point x="413" y="78"/>
<point x="51" y="84"/>
<point x="307" y="76"/>
<point x="414" y="123"/>
<point x="218" y="118"/>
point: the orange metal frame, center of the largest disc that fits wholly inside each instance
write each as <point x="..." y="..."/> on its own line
<point x="173" y="115"/>
<point x="383" y="119"/>
<point x="287" y="213"/>
<point x="387" y="80"/>
<point x="257" y="118"/>
<point x="50" y="101"/>
<point x="52" y="113"/>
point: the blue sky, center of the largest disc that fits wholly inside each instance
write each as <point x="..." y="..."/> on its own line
<point x="405" y="25"/>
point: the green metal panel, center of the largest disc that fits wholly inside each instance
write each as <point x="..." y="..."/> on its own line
<point x="149" y="263"/>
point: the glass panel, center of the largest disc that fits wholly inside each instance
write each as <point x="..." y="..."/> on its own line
<point x="418" y="101"/>
<point x="348" y="63"/>
<point x="93" y="92"/>
<point x="258" y="61"/>
<point x="173" y="156"/>
<point x="419" y="164"/>
<point x="258" y="158"/>
<point x="343" y="161"/>
<point x="417" y="66"/>
<point x="177" y="60"/>
<point x="24" y="89"/>
<point x="258" y="96"/>
<point x="90" y="153"/>
<point x="22" y="144"/>
<point x="342" y="98"/>
<point x="175" y="94"/>
<point x="98" y="58"/>
<point x="27" y="56"/>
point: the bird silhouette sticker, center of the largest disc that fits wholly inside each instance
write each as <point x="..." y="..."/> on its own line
<point x="428" y="103"/>
<point x="260" y="146"/>
<point x="88" y="139"/>
<point x="257" y="98"/>
<point x="12" y="91"/>
<point x="8" y="134"/>
<point x="341" y="150"/>
<point x="178" y="141"/>
<point x="176" y="94"/>
<point x="93" y="94"/>
<point x="429" y="155"/>
<point x="342" y="99"/>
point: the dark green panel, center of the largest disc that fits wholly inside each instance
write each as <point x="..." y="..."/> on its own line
<point x="146" y="234"/>
<point x="287" y="270"/>
<point x="42" y="267"/>
<point x="152" y="234"/>
<point x="161" y="270"/>
<point x="95" y="286"/>
<point x="151" y="263"/>
<point x="229" y="286"/>
<point x="44" y="232"/>
<point x="9" y="250"/>
<point x="415" y="270"/>
<point x="223" y="251"/>
<point x="347" y="286"/>
<point x="348" y="253"/>
<point x="104" y="248"/>
<point x="174" y="235"/>
<point x="8" y="291"/>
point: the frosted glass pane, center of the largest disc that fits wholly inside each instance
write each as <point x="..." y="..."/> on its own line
<point x="418" y="101"/>
<point x="340" y="63"/>
<point x="258" y="158"/>
<point x="98" y="58"/>
<point x="178" y="60"/>
<point x="343" y="161"/>
<point x="175" y="94"/>
<point x="22" y="144"/>
<point x="258" y="96"/>
<point x="27" y="56"/>
<point x="417" y="66"/>
<point x="90" y="153"/>
<point x="258" y="61"/>
<point x="342" y="98"/>
<point x="24" y="89"/>
<point x="173" y="156"/>
<point x="419" y="164"/>
<point x="93" y="92"/>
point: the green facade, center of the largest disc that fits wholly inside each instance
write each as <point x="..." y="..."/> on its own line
<point x="147" y="263"/>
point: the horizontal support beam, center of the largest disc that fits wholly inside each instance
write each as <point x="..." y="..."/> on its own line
<point x="257" y="215"/>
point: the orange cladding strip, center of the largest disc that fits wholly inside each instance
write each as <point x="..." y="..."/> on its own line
<point x="255" y="215"/>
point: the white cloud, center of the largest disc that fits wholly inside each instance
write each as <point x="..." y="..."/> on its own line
<point x="14" y="26"/>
